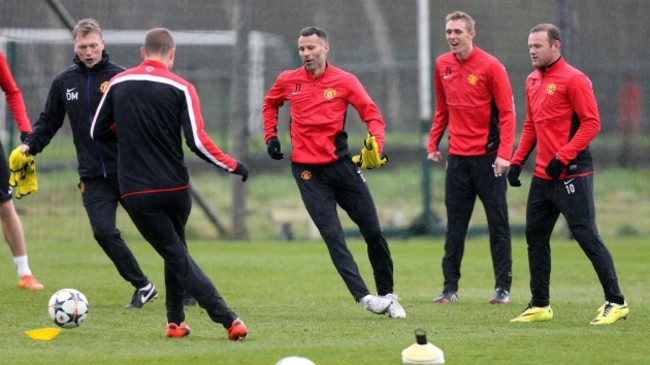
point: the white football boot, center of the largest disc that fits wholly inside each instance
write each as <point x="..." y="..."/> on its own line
<point x="395" y="310"/>
<point x="375" y="304"/>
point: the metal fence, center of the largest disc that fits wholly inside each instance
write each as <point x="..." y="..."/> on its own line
<point x="376" y="39"/>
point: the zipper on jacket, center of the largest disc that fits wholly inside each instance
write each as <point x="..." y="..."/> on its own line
<point x="91" y="116"/>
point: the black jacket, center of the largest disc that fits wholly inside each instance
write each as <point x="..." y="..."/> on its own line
<point x="147" y="110"/>
<point x="77" y="91"/>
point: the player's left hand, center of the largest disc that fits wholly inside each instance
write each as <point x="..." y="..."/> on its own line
<point x="513" y="175"/>
<point x="241" y="170"/>
<point x="369" y="157"/>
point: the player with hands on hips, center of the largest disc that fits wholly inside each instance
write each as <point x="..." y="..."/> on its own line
<point x="322" y="166"/>
<point x="562" y="118"/>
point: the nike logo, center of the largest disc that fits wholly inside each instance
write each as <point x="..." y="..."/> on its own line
<point x="567" y="182"/>
<point x="296" y="92"/>
<point x="70" y="90"/>
<point x="446" y="77"/>
<point x="146" y="298"/>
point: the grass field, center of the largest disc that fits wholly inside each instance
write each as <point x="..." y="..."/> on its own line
<point x="56" y="212"/>
<point x="294" y="303"/>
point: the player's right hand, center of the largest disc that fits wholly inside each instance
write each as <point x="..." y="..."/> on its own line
<point x="435" y="156"/>
<point x="273" y="148"/>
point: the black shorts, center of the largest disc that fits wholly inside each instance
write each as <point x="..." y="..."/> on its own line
<point x="5" y="189"/>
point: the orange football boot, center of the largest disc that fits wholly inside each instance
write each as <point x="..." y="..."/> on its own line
<point x="30" y="283"/>
<point x="174" y="330"/>
<point x="237" y="330"/>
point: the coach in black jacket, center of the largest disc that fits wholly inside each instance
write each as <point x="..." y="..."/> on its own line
<point x="77" y="91"/>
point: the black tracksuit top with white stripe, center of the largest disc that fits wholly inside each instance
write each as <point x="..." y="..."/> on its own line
<point x="147" y="109"/>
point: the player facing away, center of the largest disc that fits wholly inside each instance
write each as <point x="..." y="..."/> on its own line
<point x="12" y="227"/>
<point x="147" y="110"/>
<point x="562" y="118"/>
<point x="319" y="94"/>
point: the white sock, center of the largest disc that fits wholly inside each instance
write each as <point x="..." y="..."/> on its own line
<point x="23" y="266"/>
<point x="148" y="287"/>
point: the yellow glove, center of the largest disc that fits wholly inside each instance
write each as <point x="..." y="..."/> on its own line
<point x="17" y="162"/>
<point x="23" y="173"/>
<point x="29" y="184"/>
<point x="369" y="157"/>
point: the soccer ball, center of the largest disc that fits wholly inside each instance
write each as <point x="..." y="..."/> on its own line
<point x="68" y="308"/>
<point x="295" y="360"/>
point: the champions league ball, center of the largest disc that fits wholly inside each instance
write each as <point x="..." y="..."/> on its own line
<point x="68" y="308"/>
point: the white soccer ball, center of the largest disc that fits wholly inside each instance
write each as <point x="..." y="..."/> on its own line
<point x="295" y="360"/>
<point x="68" y="308"/>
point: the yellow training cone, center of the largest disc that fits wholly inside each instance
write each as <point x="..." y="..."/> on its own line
<point x="43" y="334"/>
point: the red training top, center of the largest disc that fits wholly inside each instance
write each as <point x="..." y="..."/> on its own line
<point x="474" y="98"/>
<point x="318" y="111"/>
<point x="14" y="97"/>
<point x="561" y="119"/>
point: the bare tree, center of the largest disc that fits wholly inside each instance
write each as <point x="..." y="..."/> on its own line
<point x="239" y="116"/>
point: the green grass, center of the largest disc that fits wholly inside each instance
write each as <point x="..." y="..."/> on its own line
<point x="56" y="212"/>
<point x="622" y="197"/>
<point x="294" y="303"/>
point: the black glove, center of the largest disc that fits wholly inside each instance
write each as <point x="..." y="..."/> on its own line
<point x="513" y="175"/>
<point x="273" y="148"/>
<point x="241" y="170"/>
<point x="554" y="168"/>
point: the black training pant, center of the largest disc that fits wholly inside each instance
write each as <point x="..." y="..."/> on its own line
<point x="322" y="187"/>
<point x="467" y="178"/>
<point x="574" y="199"/>
<point x="100" y="198"/>
<point x="161" y="219"/>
